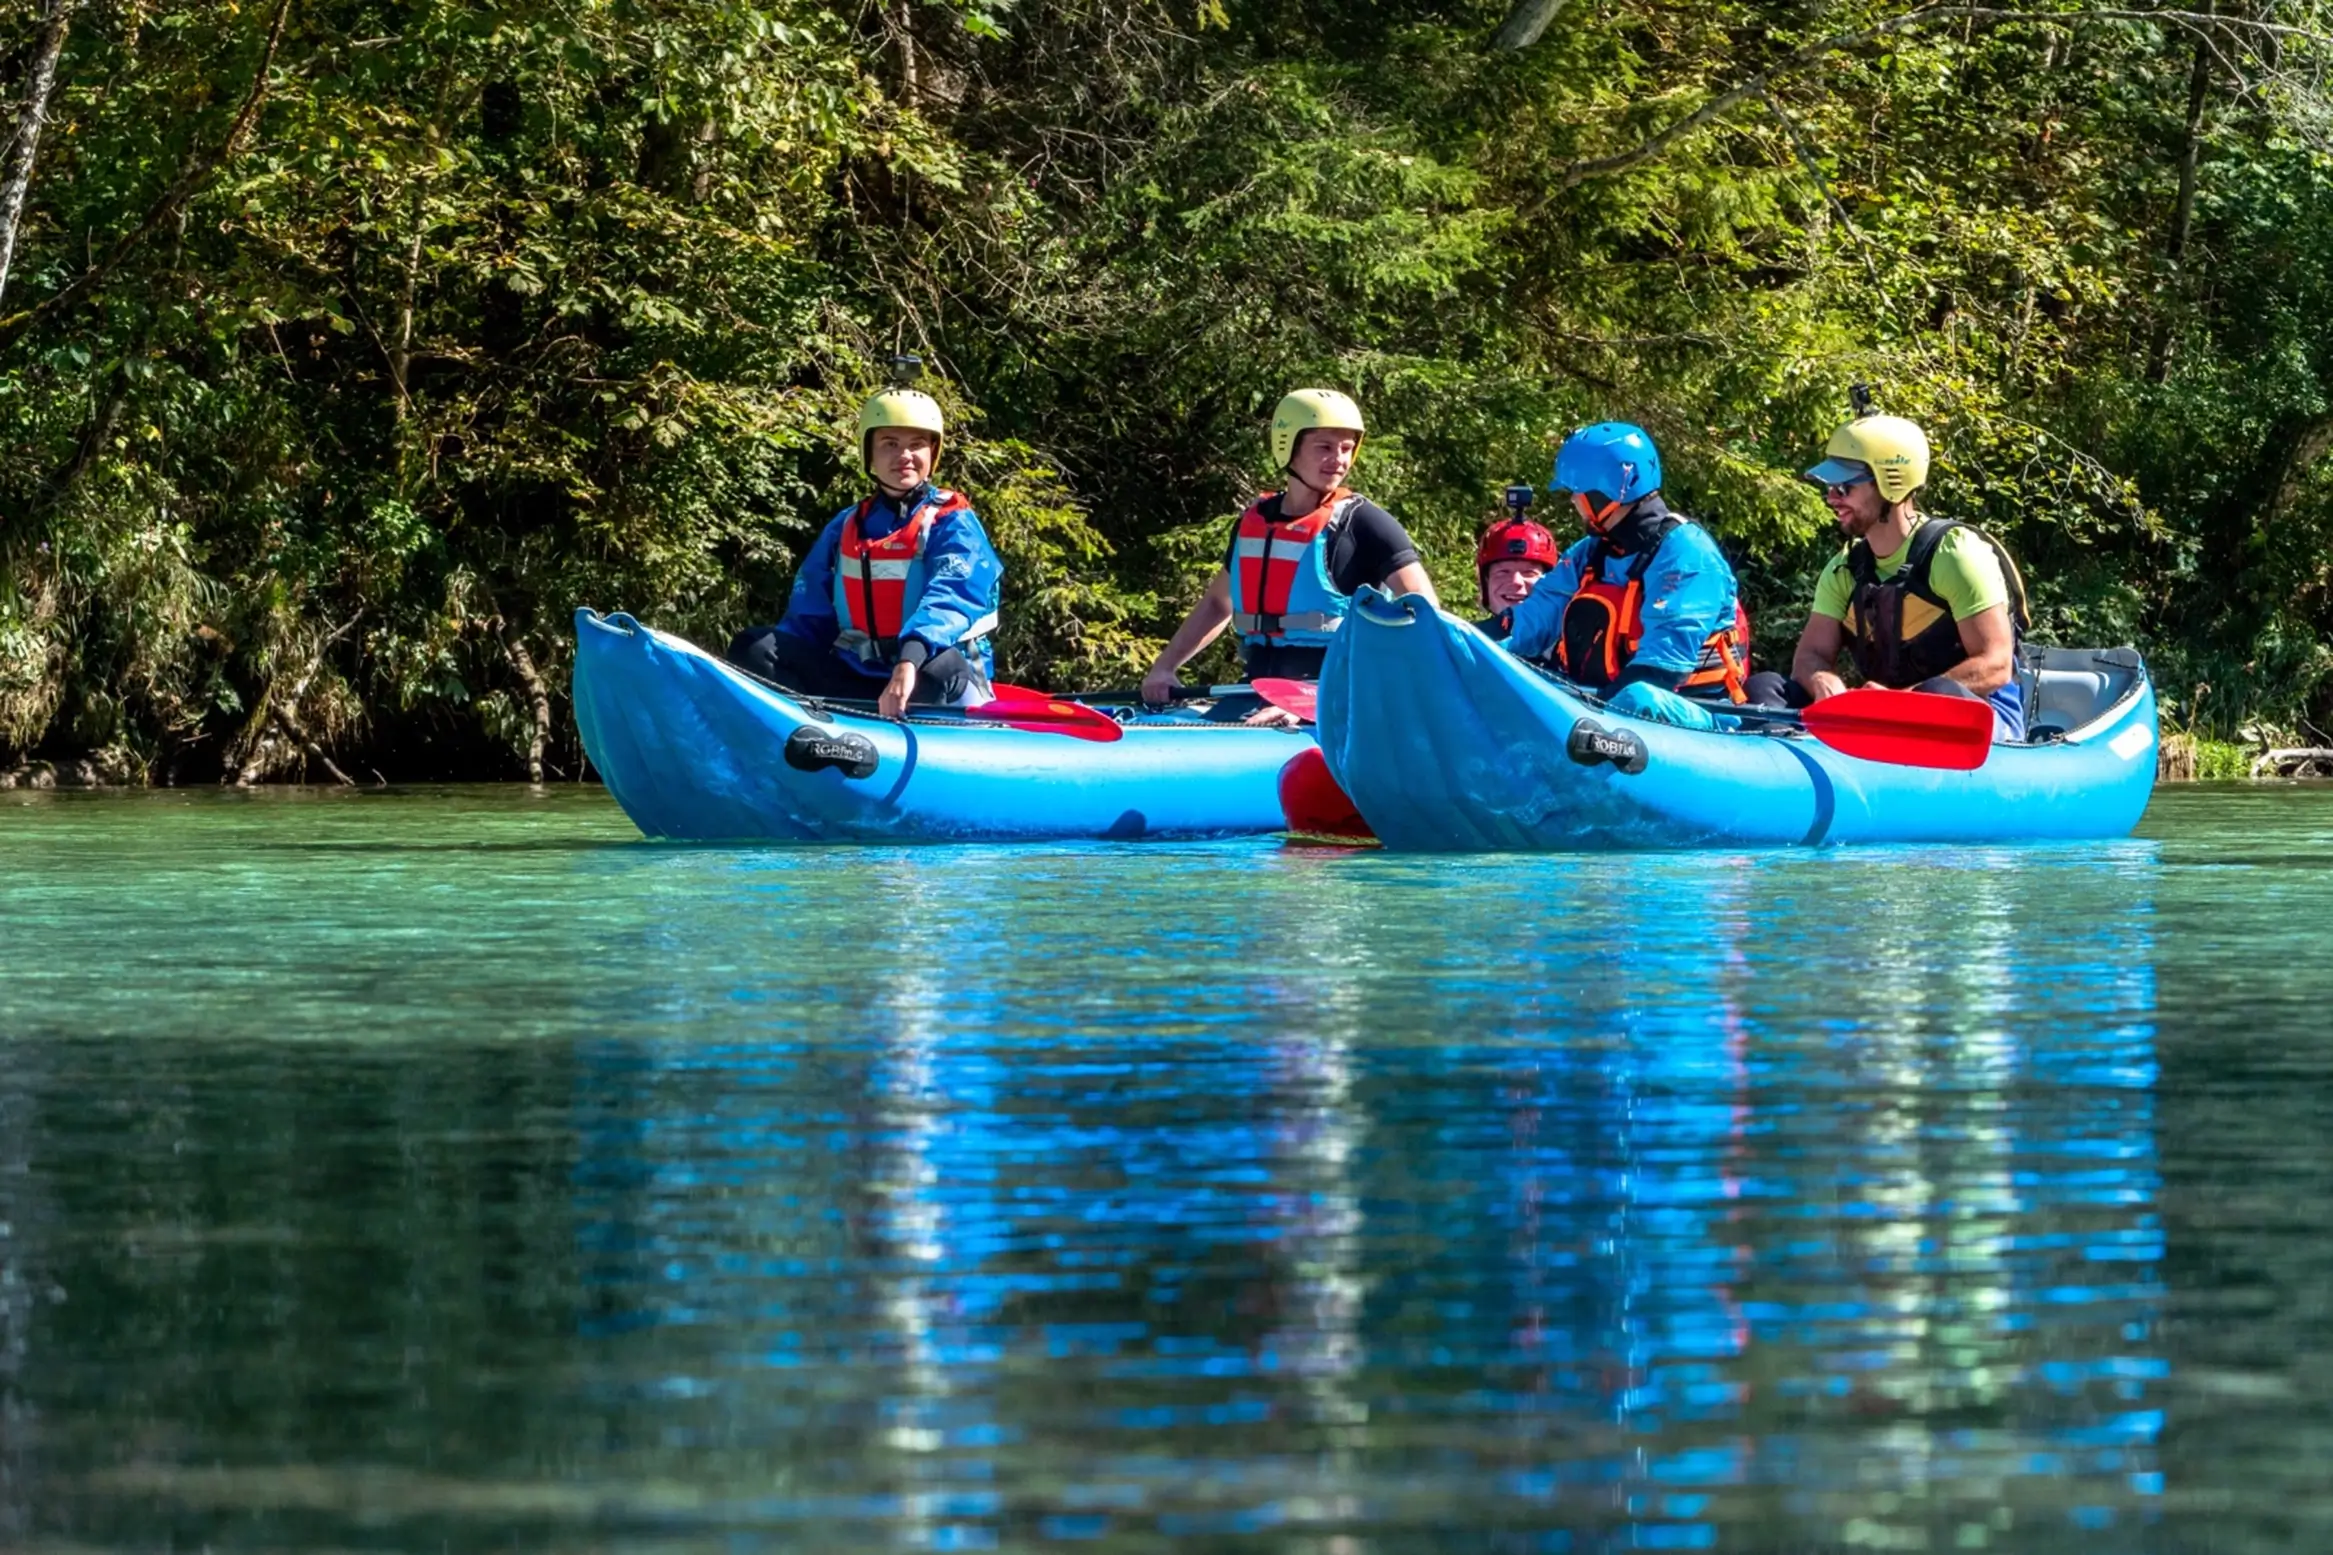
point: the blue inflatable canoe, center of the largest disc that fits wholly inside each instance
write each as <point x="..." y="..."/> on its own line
<point x="696" y="751"/>
<point x="1446" y="741"/>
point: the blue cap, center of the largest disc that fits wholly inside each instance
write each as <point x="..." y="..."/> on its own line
<point x="1840" y="472"/>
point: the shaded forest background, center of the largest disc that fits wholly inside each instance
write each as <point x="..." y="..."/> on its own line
<point x="347" y="346"/>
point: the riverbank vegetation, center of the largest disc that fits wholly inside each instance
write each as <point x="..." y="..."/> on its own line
<point x="346" y="346"/>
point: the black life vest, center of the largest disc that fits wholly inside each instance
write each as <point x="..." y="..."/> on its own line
<point x="1899" y="629"/>
<point x="1603" y="625"/>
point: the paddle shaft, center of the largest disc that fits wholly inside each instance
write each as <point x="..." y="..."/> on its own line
<point x="1180" y="694"/>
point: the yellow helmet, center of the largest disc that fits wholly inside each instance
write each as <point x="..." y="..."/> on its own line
<point x="898" y="407"/>
<point x="1893" y="452"/>
<point x="1305" y="410"/>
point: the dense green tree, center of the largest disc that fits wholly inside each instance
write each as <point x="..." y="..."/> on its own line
<point x="346" y="346"/>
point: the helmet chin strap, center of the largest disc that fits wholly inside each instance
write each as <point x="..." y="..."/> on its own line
<point x="1600" y="519"/>
<point x="897" y="494"/>
<point x="1294" y="479"/>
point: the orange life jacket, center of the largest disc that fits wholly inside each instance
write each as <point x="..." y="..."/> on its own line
<point x="1280" y="586"/>
<point x="1603" y="626"/>
<point x="878" y="583"/>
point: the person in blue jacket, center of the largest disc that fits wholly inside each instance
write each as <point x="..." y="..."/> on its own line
<point x="898" y="596"/>
<point x="1643" y="611"/>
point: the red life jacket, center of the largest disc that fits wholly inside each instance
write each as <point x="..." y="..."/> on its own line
<point x="1603" y="626"/>
<point x="1280" y="591"/>
<point x="878" y="583"/>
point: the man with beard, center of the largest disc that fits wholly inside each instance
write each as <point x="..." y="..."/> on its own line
<point x="1918" y="603"/>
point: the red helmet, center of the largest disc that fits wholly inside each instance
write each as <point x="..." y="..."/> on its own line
<point x="1514" y="540"/>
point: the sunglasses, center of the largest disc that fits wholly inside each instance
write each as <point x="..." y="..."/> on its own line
<point x="1841" y="488"/>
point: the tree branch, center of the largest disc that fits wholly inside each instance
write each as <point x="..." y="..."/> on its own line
<point x="189" y="184"/>
<point x="1814" y="170"/>
<point x="300" y="737"/>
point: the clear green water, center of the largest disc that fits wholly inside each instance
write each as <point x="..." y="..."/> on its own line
<point x="448" y="1171"/>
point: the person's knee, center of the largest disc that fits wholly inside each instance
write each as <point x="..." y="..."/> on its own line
<point x="1642" y="700"/>
<point x="785" y="660"/>
<point x="1772" y="688"/>
<point x="948" y="677"/>
<point x="1946" y="686"/>
<point x="755" y="650"/>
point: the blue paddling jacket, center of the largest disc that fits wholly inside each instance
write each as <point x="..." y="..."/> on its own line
<point x="1666" y="614"/>
<point x="885" y="574"/>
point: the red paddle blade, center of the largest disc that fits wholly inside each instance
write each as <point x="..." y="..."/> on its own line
<point x="1908" y="728"/>
<point x="1291" y="696"/>
<point x="1018" y="707"/>
<point x="1313" y="803"/>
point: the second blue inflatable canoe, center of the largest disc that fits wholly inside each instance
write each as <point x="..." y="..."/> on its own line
<point x="697" y="751"/>
<point x="1446" y="741"/>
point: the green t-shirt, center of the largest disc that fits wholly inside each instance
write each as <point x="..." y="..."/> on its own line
<point x="1966" y="575"/>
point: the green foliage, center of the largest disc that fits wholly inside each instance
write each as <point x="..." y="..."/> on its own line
<point x="504" y="308"/>
<point x="2219" y="761"/>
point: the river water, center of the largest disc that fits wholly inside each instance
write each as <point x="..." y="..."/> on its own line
<point x="448" y="1170"/>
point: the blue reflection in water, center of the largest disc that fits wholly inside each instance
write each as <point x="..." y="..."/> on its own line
<point x="1654" y="1243"/>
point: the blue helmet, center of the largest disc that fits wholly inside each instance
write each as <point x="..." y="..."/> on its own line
<point x="1612" y="457"/>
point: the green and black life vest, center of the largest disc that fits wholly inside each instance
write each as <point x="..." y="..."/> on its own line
<point x="1899" y="629"/>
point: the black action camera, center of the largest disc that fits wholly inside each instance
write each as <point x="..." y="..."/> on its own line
<point x="905" y="370"/>
<point x="1519" y="499"/>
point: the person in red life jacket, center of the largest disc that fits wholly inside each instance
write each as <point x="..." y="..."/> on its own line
<point x="1297" y="556"/>
<point x="1643" y="611"/>
<point x="1514" y="555"/>
<point x="1918" y="603"/>
<point x="898" y="596"/>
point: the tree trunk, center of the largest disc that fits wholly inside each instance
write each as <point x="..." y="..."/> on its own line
<point x="401" y="354"/>
<point x="2310" y="444"/>
<point x="2183" y="211"/>
<point x="40" y="81"/>
<point x="1527" y="22"/>
<point x="2239" y="529"/>
<point x="910" y="82"/>
<point x="523" y="663"/>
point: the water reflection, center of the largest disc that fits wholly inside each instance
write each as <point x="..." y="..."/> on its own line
<point x="1629" y="1244"/>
